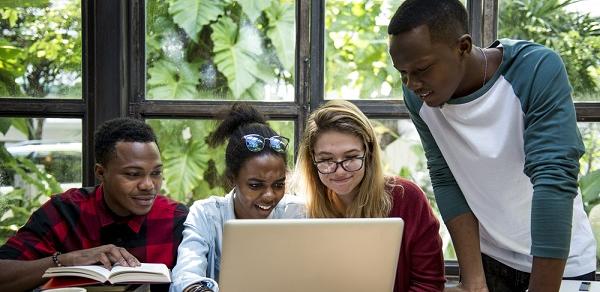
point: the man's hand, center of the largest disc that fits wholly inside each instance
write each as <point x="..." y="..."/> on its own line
<point x="464" y="230"/>
<point x="108" y="255"/>
<point x="463" y="288"/>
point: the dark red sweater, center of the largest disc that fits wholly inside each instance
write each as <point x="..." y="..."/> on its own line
<point x="421" y="262"/>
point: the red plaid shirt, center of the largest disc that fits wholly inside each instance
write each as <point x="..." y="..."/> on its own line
<point x="80" y="219"/>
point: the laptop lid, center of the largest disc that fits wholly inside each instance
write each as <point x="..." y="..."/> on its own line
<point x="294" y="255"/>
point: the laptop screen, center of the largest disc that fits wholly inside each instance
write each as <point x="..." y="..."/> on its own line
<point x="329" y="255"/>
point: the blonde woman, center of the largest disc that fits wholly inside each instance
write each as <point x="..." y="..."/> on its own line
<point x="339" y="167"/>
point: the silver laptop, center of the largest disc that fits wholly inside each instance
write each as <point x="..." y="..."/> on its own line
<point x="317" y="255"/>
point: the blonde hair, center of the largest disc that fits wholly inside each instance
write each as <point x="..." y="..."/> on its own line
<point x="372" y="199"/>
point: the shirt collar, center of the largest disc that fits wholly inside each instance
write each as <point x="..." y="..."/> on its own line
<point x="230" y="208"/>
<point x="108" y="217"/>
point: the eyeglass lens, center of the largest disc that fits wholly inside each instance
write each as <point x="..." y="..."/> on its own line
<point x="350" y="164"/>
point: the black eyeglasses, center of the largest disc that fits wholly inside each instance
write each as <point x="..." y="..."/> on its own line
<point x="350" y="164"/>
<point x="256" y="142"/>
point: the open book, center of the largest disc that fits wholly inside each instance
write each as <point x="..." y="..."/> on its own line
<point x="146" y="273"/>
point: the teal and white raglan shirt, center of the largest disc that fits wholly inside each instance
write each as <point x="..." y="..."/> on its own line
<point x="509" y="153"/>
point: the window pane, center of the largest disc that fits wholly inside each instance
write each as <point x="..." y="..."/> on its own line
<point x="589" y="176"/>
<point x="38" y="158"/>
<point x="220" y="50"/>
<point x="357" y="63"/>
<point x="569" y="30"/>
<point x="40" y="49"/>
<point x="193" y="170"/>
<point x="403" y="156"/>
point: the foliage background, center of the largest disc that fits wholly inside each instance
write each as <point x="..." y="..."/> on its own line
<point x="244" y="50"/>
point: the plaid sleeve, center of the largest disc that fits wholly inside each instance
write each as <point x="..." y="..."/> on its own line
<point x="34" y="239"/>
<point x="181" y="213"/>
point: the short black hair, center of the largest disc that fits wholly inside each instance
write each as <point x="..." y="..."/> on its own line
<point x="447" y="20"/>
<point x="119" y="130"/>
<point x="240" y="120"/>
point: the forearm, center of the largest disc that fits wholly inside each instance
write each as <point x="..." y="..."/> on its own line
<point x="546" y="274"/>
<point x="23" y="275"/>
<point x="464" y="230"/>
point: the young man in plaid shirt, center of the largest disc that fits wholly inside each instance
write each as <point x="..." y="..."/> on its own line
<point x="121" y="221"/>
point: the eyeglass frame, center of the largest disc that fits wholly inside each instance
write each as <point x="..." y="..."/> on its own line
<point x="341" y="163"/>
<point x="264" y="139"/>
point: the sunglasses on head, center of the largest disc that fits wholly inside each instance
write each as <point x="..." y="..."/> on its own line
<point x="255" y="142"/>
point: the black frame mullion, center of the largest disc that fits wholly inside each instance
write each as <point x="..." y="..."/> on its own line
<point x="490" y="22"/>
<point x="106" y="90"/>
<point x="209" y="109"/>
<point x="317" y="53"/>
<point x="88" y="48"/>
<point x="137" y="54"/>
<point x="588" y="111"/>
<point x="26" y="107"/>
<point x="302" y="86"/>
<point x="475" y="8"/>
<point x="383" y="109"/>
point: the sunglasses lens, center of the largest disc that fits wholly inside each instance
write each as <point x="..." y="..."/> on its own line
<point x="278" y="144"/>
<point x="254" y="143"/>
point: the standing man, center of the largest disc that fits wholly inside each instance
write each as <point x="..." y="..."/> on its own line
<point x="499" y="130"/>
<point x="121" y="221"/>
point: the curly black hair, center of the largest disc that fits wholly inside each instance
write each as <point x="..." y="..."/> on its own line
<point x="447" y="20"/>
<point x="119" y="130"/>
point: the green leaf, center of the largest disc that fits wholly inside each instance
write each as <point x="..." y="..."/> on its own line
<point x="23" y="3"/>
<point x="5" y="124"/>
<point x="281" y="31"/>
<point x="192" y="15"/>
<point x="10" y="61"/>
<point x="21" y="125"/>
<point x="236" y="54"/>
<point x="254" y="8"/>
<point x="169" y="80"/>
<point x="45" y="183"/>
<point x="256" y="91"/>
<point x="203" y="191"/>
<point x="184" y="167"/>
<point x="590" y="186"/>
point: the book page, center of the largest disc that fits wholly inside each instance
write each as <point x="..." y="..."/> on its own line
<point x="97" y="273"/>
<point x="146" y="273"/>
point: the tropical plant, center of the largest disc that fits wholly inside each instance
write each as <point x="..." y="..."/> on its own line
<point x="220" y="49"/>
<point x="40" y="47"/>
<point x="192" y="170"/>
<point x="17" y="205"/>
<point x="575" y="36"/>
